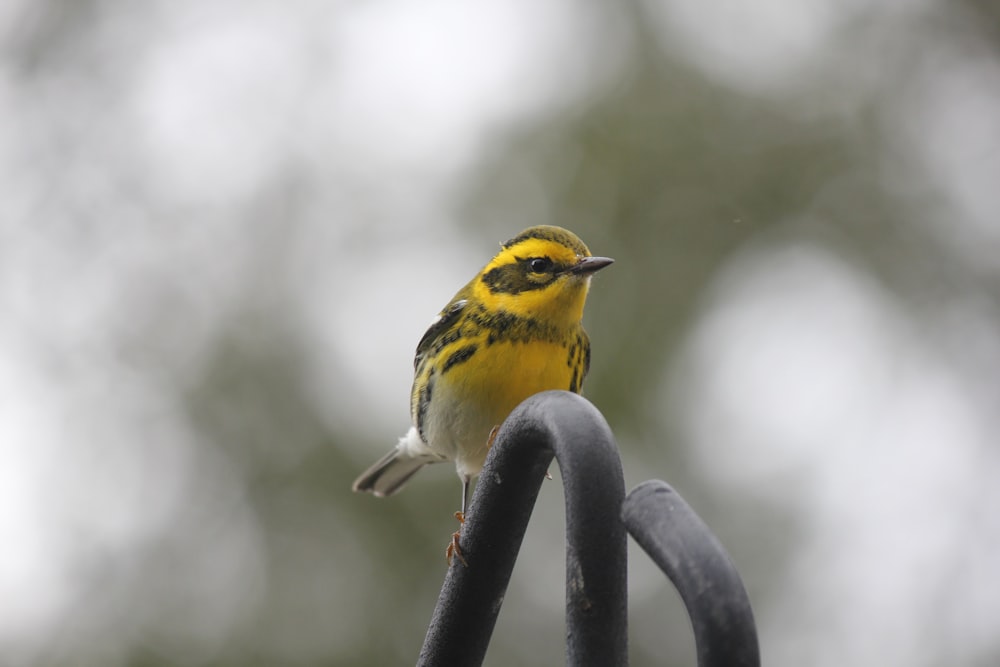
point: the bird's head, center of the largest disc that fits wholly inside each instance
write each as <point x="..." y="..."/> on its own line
<point x="543" y="272"/>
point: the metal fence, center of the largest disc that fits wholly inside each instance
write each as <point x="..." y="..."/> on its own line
<point x="566" y="426"/>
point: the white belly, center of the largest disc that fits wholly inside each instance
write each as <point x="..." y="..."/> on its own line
<point x="455" y="428"/>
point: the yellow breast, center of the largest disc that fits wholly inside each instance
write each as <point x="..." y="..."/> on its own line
<point x="501" y="375"/>
<point x="473" y="396"/>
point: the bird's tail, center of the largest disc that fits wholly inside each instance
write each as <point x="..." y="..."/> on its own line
<point x="392" y="471"/>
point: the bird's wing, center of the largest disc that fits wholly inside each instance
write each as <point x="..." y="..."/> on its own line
<point x="438" y="328"/>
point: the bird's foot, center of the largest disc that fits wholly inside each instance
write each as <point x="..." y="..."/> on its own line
<point x="454" y="549"/>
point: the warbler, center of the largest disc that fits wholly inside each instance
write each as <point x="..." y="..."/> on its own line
<point x="514" y="330"/>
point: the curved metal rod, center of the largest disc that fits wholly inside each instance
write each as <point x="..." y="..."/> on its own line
<point x="570" y="428"/>
<point x="688" y="552"/>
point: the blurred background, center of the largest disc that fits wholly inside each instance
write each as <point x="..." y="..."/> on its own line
<point x="225" y="225"/>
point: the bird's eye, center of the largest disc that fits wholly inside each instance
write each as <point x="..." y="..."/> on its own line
<point x="539" y="264"/>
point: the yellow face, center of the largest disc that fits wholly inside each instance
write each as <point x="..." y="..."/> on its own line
<point x="543" y="273"/>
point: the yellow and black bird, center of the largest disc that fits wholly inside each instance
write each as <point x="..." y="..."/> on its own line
<point x="514" y="330"/>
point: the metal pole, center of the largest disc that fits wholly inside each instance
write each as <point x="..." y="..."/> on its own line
<point x="569" y="427"/>
<point x="688" y="552"/>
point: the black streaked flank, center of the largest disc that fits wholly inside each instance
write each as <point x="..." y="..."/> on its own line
<point x="573" y="349"/>
<point x="458" y="356"/>
<point x="424" y="403"/>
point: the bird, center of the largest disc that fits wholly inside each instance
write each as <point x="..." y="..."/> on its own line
<point x="514" y="330"/>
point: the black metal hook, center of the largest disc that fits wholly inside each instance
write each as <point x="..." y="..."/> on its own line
<point x="567" y="426"/>
<point x="685" y="549"/>
<point x="564" y="425"/>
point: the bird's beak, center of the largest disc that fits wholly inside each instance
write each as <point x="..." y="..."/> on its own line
<point x="588" y="265"/>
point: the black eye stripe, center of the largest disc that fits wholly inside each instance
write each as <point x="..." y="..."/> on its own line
<point x="516" y="278"/>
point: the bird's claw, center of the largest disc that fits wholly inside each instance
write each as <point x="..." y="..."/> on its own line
<point x="492" y="436"/>
<point x="454" y="549"/>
